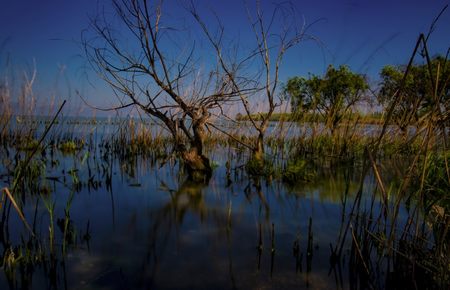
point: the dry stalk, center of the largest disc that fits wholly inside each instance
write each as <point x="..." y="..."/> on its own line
<point x="19" y="211"/>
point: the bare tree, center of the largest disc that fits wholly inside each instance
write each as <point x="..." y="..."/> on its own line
<point x="274" y="34"/>
<point x="161" y="74"/>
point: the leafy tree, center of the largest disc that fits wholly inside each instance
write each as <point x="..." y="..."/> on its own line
<point x="332" y="96"/>
<point x="419" y="91"/>
<point x="298" y="91"/>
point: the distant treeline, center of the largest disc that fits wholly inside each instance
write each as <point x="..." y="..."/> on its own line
<point x="368" y="118"/>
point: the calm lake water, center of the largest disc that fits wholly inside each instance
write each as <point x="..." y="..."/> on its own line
<point x="134" y="223"/>
<point x="101" y="127"/>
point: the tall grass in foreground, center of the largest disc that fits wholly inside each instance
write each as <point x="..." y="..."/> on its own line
<point x="405" y="243"/>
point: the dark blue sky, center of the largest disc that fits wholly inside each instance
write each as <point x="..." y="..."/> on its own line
<point x="362" y="34"/>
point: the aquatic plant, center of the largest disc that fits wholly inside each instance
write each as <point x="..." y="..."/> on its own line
<point x="297" y="171"/>
<point x="70" y="146"/>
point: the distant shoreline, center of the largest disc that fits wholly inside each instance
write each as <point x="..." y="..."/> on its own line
<point x="371" y="118"/>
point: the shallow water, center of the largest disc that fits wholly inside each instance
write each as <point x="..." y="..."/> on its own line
<point x="148" y="228"/>
<point x="102" y="126"/>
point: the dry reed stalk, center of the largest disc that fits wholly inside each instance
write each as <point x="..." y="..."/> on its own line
<point x="359" y="250"/>
<point x="19" y="211"/>
<point x="27" y="161"/>
<point x="379" y="181"/>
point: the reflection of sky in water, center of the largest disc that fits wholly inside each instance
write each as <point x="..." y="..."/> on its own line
<point x="154" y="231"/>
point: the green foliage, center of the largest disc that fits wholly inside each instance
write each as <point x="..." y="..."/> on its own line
<point x="399" y="147"/>
<point x="297" y="171"/>
<point x="419" y="92"/>
<point x="69" y="146"/>
<point x="332" y="95"/>
<point x="260" y="167"/>
<point x="300" y="92"/>
<point x="28" y="144"/>
<point x="214" y="164"/>
<point x="366" y="118"/>
<point x="436" y="181"/>
<point x="30" y="176"/>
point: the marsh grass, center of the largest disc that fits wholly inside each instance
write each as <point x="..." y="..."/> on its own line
<point x="388" y="249"/>
<point x="71" y="146"/>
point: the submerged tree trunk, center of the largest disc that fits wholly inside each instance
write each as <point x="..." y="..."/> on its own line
<point x="258" y="151"/>
<point x="256" y="165"/>
<point x="197" y="164"/>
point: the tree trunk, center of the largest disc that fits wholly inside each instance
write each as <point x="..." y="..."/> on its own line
<point x="258" y="151"/>
<point x="197" y="164"/>
<point x="255" y="166"/>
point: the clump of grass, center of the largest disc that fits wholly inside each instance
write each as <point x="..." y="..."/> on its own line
<point x="28" y="144"/>
<point x="436" y="183"/>
<point x="260" y="167"/>
<point x="70" y="146"/>
<point x="298" y="171"/>
<point x="30" y="177"/>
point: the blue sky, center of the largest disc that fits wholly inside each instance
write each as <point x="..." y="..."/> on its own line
<point x="363" y="34"/>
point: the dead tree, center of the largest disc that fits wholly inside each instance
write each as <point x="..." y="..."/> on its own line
<point x="274" y="34"/>
<point x="163" y="77"/>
